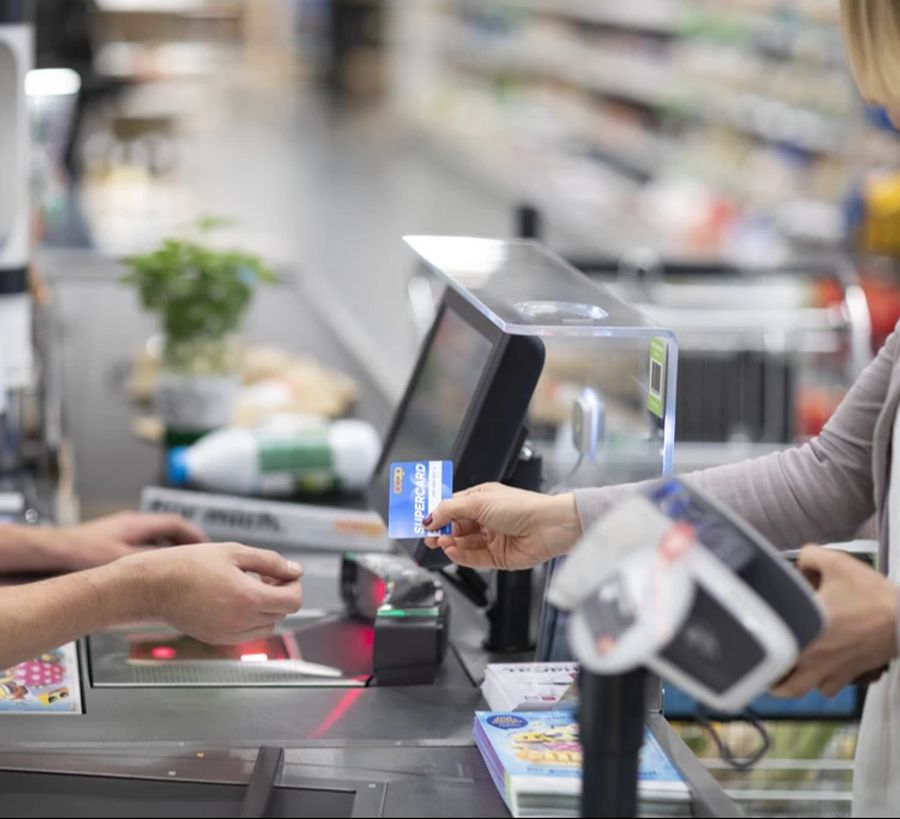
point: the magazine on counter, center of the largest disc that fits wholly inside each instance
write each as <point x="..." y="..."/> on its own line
<point x="49" y="684"/>
<point x="534" y="759"/>
<point x="530" y="686"/>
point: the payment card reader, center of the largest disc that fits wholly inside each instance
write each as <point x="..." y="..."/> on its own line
<point x="408" y="608"/>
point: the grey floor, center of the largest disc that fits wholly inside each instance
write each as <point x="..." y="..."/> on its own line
<point x="329" y="193"/>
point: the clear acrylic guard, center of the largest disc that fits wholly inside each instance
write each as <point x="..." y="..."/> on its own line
<point x="605" y="361"/>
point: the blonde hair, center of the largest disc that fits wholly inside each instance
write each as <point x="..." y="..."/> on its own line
<point x="872" y="39"/>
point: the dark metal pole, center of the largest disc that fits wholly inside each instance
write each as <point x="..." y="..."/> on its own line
<point x="510" y="615"/>
<point x="611" y="718"/>
<point x="261" y="787"/>
<point x="528" y="222"/>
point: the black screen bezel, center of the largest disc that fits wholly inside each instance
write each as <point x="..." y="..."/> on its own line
<point x="507" y="382"/>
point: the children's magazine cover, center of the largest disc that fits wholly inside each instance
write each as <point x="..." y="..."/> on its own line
<point x="49" y="684"/>
<point x="534" y="759"/>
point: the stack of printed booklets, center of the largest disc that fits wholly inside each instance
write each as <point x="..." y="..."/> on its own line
<point x="530" y="745"/>
<point x="529" y="686"/>
<point x="534" y="759"/>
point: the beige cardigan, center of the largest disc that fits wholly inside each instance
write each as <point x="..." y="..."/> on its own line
<point x="821" y="492"/>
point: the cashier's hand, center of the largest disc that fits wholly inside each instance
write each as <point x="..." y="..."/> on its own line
<point x="219" y="593"/>
<point x="100" y="541"/>
<point x="861" y="605"/>
<point x="498" y="527"/>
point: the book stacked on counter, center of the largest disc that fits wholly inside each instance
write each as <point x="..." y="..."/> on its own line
<point x="530" y="686"/>
<point x="534" y="759"/>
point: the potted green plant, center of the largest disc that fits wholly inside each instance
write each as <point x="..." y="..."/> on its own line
<point x="201" y="295"/>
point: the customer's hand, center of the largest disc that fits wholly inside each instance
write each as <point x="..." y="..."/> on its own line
<point x="206" y="590"/>
<point x="495" y="526"/>
<point x="861" y="605"/>
<point x="100" y="541"/>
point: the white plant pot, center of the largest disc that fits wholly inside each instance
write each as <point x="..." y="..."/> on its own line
<point x="196" y="403"/>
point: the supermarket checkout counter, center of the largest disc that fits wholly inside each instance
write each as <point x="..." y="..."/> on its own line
<point x="194" y="746"/>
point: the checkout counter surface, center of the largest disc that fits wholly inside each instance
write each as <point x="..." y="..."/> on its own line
<point x="404" y="751"/>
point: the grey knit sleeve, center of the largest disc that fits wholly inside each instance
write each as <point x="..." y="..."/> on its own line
<point x="815" y="493"/>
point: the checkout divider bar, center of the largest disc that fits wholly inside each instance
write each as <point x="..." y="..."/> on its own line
<point x="261" y="787"/>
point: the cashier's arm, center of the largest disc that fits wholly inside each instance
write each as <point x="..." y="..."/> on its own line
<point x="217" y="592"/>
<point x="44" y="549"/>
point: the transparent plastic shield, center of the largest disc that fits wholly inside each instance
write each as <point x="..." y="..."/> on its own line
<point x="603" y="410"/>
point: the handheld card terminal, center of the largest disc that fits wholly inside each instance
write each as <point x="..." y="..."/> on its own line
<point x="671" y="580"/>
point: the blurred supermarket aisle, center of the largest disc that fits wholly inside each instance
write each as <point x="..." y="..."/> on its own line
<point x="330" y="194"/>
<point x="704" y="132"/>
<point x="324" y="192"/>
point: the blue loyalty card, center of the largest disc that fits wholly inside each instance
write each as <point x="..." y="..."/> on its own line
<point x="416" y="488"/>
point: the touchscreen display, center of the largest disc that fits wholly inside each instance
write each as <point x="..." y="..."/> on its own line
<point x="444" y="390"/>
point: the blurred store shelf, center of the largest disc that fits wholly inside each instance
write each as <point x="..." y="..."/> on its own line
<point x="685" y="124"/>
<point x="808" y="772"/>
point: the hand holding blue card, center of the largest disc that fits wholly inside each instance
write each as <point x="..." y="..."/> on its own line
<point x="416" y="488"/>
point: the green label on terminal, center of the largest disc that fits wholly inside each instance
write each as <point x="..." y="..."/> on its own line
<point x="656" y="378"/>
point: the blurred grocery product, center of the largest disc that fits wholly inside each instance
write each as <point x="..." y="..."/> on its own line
<point x="289" y="454"/>
<point x="877" y="229"/>
<point x="271" y="381"/>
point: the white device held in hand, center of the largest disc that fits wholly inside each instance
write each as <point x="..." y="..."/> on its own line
<point x="672" y="581"/>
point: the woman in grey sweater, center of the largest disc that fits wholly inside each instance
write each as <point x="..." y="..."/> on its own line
<point x="821" y="492"/>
